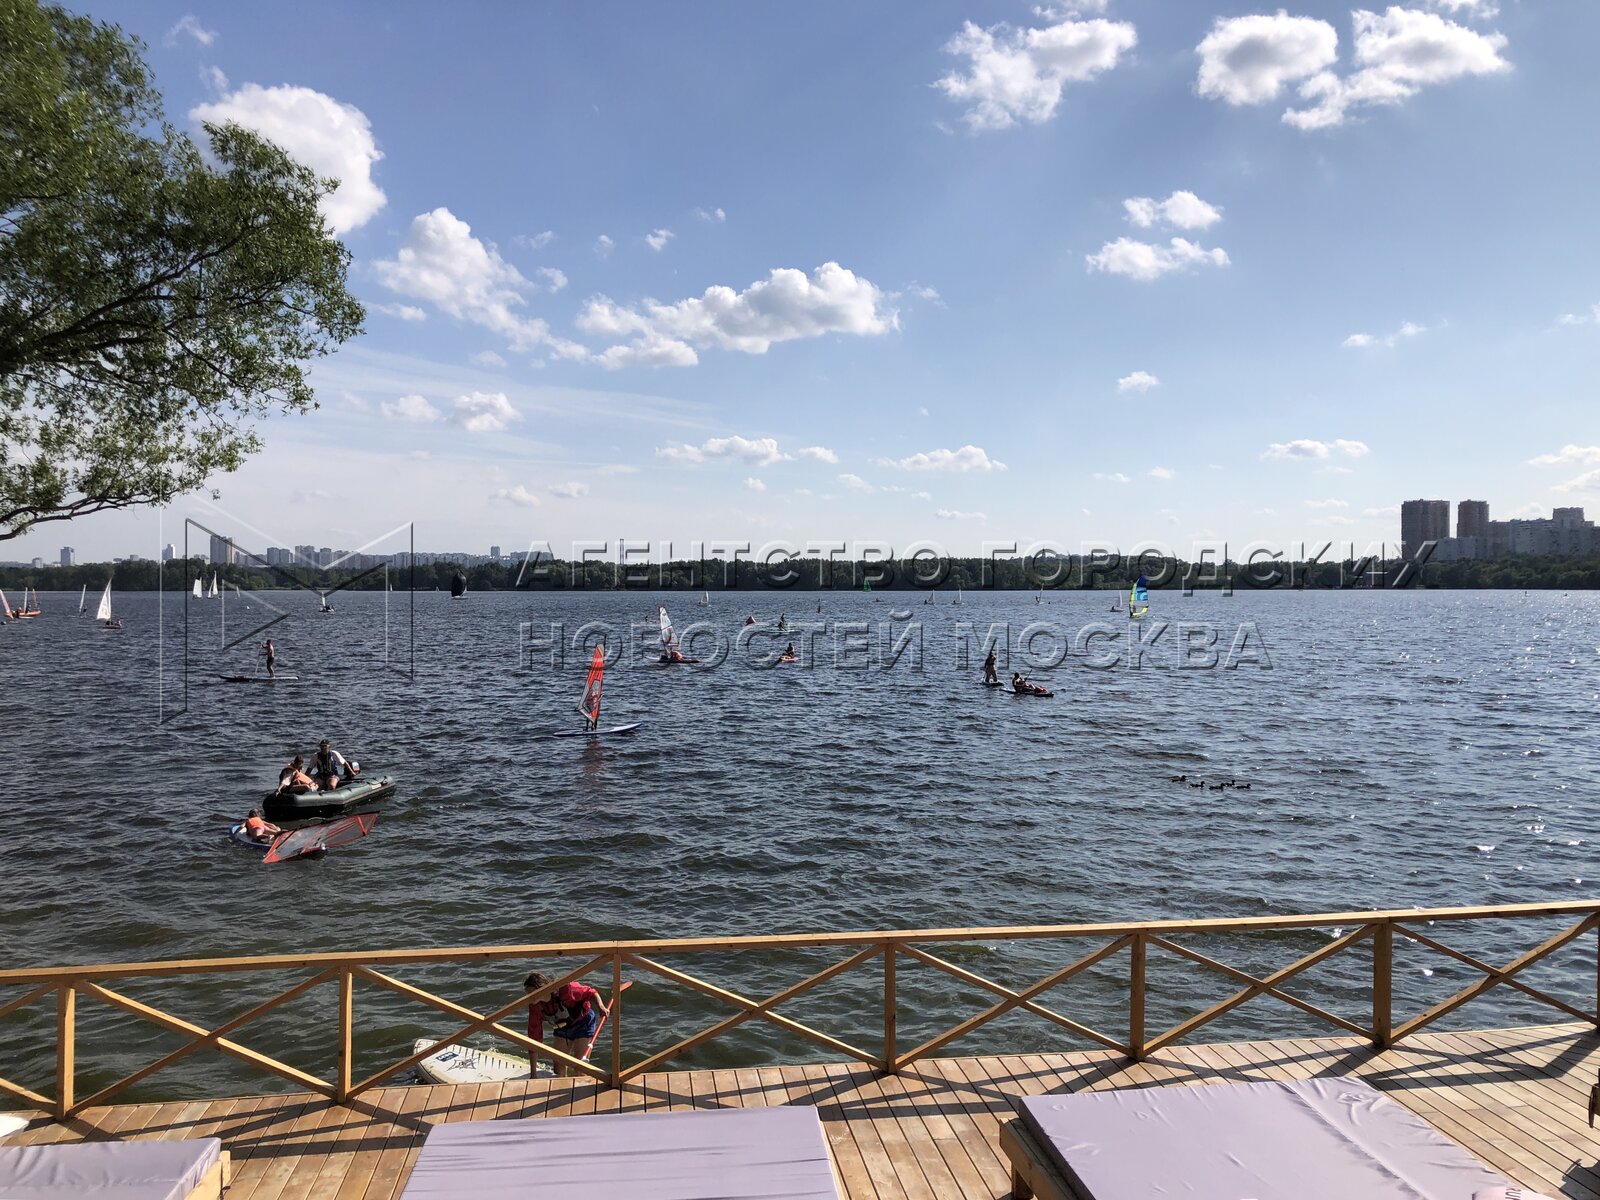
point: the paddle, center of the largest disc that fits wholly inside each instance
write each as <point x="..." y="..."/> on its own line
<point x="615" y="996"/>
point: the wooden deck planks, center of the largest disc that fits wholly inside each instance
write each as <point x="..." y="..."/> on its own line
<point x="1514" y="1098"/>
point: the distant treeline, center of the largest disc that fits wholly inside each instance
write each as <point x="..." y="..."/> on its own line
<point x="811" y="574"/>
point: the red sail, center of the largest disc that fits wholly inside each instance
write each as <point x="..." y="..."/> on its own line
<point x="589" y="706"/>
<point x="295" y="842"/>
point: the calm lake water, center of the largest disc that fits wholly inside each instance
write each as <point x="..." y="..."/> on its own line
<point x="1403" y="749"/>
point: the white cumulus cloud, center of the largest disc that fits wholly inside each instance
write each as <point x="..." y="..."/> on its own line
<point x="1327" y="504"/>
<point x="318" y="131"/>
<point x="855" y="483"/>
<point x="1112" y="477"/>
<point x="1139" y="381"/>
<point x="955" y="514"/>
<point x="760" y="452"/>
<point x="602" y="245"/>
<point x="715" y="215"/>
<point x="488" y="358"/>
<point x="968" y="458"/>
<point x="405" y="312"/>
<point x="1249" y="60"/>
<point x="1307" y="448"/>
<point x="1181" y="210"/>
<point x="820" y="453"/>
<point x="568" y="491"/>
<point x="1144" y="261"/>
<point x="442" y="263"/>
<point x="518" y="495"/>
<point x="189" y="25"/>
<point x="1163" y="473"/>
<point x="787" y="305"/>
<point x="1592" y="317"/>
<point x="658" y="239"/>
<point x="755" y="485"/>
<point x="1407" y="330"/>
<point x="1586" y="484"/>
<point x="554" y="278"/>
<point x="483" y="412"/>
<point x="1018" y="74"/>
<point x="534" y="241"/>
<point x="1569" y="456"/>
<point x="411" y="408"/>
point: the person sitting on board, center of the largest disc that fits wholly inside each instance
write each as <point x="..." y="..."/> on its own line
<point x="271" y="653"/>
<point x="258" y="829"/>
<point x="990" y="675"/>
<point x="332" y="768"/>
<point x="788" y="654"/>
<point x="576" y="1007"/>
<point x="293" y="777"/>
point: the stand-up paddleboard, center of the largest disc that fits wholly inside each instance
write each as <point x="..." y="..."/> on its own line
<point x="1035" y="695"/>
<point x="589" y="704"/>
<point x="468" y="1064"/>
<point x="278" y="678"/>
<point x="996" y="683"/>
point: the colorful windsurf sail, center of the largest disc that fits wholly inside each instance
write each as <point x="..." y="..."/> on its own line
<point x="1139" y="598"/>
<point x="330" y="835"/>
<point x="589" y="705"/>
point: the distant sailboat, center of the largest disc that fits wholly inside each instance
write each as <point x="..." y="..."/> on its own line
<point x="103" y="613"/>
<point x="83" y="600"/>
<point x="705" y="600"/>
<point x="5" y="606"/>
<point x="198" y="593"/>
<point x="1139" y="599"/>
<point x="27" y="610"/>
<point x="458" y="586"/>
<point x="957" y="600"/>
<point x="215" y="593"/>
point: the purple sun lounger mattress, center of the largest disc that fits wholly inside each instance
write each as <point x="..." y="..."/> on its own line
<point x="107" y="1170"/>
<point x="1316" y="1139"/>
<point x="719" y="1154"/>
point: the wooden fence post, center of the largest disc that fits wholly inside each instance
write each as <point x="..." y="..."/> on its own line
<point x="891" y="1010"/>
<point x="347" y="996"/>
<point x="1136" y="964"/>
<point x="1382" y="985"/>
<point x="616" y="1021"/>
<point x="66" y="1048"/>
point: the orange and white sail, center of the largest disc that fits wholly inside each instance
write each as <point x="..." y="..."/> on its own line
<point x="589" y="704"/>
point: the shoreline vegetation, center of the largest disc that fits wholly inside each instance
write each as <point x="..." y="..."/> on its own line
<point x="918" y="577"/>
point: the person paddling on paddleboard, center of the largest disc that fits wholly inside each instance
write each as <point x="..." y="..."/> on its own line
<point x="270" y="653"/>
<point x="576" y="1007"/>
<point x="990" y="675"/>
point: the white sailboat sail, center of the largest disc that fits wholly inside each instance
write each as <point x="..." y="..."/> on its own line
<point x="669" y="640"/>
<point x="5" y="605"/>
<point x="198" y="594"/>
<point x="214" y="593"/>
<point x="103" y="613"/>
<point x="83" y="600"/>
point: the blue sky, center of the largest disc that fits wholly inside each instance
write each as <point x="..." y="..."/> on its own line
<point x="1124" y="272"/>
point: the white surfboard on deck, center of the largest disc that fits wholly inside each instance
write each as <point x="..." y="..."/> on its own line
<point x="468" y="1064"/>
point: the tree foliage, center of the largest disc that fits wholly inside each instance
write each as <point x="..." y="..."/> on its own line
<point x="154" y="303"/>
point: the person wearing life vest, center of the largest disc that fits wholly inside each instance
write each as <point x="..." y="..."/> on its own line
<point x="330" y="768"/>
<point x="293" y="777"/>
<point x="258" y="829"/>
<point x="576" y="1008"/>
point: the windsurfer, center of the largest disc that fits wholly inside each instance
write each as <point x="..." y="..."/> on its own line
<point x="259" y="829"/>
<point x="576" y="1007"/>
<point x="990" y="675"/>
<point x="293" y="777"/>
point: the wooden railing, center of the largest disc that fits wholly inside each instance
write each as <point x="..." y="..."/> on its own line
<point x="1141" y="940"/>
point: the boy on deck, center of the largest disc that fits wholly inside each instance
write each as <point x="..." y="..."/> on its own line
<point x="575" y="1006"/>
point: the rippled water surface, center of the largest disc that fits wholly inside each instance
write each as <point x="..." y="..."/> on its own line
<point x="1403" y="749"/>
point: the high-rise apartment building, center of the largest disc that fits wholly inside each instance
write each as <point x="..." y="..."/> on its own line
<point x="1472" y="519"/>
<point x="1422" y="521"/>
<point x="69" y="556"/>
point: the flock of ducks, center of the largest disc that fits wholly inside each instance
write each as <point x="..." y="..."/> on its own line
<point x="1215" y="787"/>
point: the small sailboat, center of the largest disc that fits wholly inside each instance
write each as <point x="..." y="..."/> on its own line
<point x="103" y="613"/>
<point x="458" y="586"/>
<point x="589" y="702"/>
<point x="1039" y="599"/>
<point x="27" y="610"/>
<point x="215" y="593"/>
<point x="199" y="594"/>
<point x="1139" y="599"/>
<point x="324" y="607"/>
<point x="957" y="600"/>
<point x="671" y="651"/>
<point x="705" y="600"/>
<point x="5" y="606"/>
<point x="83" y="600"/>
